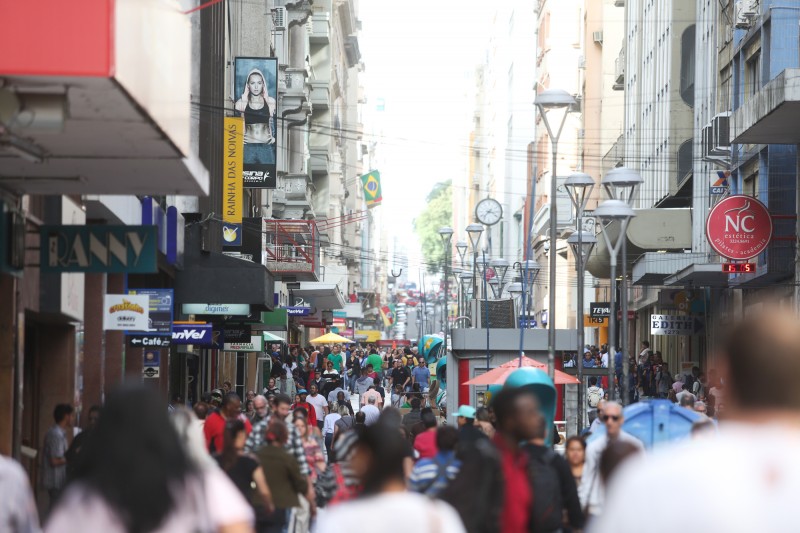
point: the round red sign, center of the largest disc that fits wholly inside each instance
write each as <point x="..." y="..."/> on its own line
<point x="739" y="227"/>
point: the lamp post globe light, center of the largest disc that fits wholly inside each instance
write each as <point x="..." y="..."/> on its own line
<point x="546" y="100"/>
<point x="446" y="233"/>
<point x="582" y="244"/>
<point x="620" y="183"/>
<point x="611" y="211"/>
<point x="474" y="232"/>
<point x="528" y="271"/>
<point x="461" y="248"/>
<point x="500" y="267"/>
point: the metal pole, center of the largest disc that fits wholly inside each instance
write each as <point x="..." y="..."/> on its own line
<point x="623" y="344"/>
<point x="446" y="313"/>
<point x="551" y="325"/>
<point x="486" y="311"/>
<point x="579" y="355"/>
<point x="612" y="324"/>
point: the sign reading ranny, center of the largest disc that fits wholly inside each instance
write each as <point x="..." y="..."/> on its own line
<point x="130" y="249"/>
<point x="739" y="227"/>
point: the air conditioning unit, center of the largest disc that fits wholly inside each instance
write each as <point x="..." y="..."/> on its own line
<point x="279" y="18"/>
<point x="494" y="314"/>
<point x="597" y="37"/>
<point x="720" y="140"/>
<point x="750" y="8"/>
<point x="745" y="12"/>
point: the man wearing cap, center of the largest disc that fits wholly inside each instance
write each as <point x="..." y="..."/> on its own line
<point x="467" y="432"/>
<point x="312" y="413"/>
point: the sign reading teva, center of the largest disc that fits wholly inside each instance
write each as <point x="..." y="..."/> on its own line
<point x="675" y="325"/>
<point x="599" y="309"/>
<point x="125" y="312"/>
<point x="256" y="344"/>
<point x="130" y="249"/>
<point x="216" y="309"/>
<point x="739" y="227"/>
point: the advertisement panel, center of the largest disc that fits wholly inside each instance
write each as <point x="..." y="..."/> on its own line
<point x="200" y="334"/>
<point x="125" y="312"/>
<point x="118" y="249"/>
<point x="232" y="165"/>
<point x="161" y="301"/>
<point x="255" y="344"/>
<point x="255" y="87"/>
<point x="739" y="227"/>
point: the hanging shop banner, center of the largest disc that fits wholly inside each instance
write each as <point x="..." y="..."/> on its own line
<point x="256" y="89"/>
<point x="216" y="309"/>
<point x="255" y="344"/>
<point x="200" y="334"/>
<point x="372" y="188"/>
<point x="119" y="249"/>
<point x="237" y="334"/>
<point x="739" y="227"/>
<point x="232" y="165"/>
<point x="675" y="325"/>
<point x="126" y="312"/>
<point x="719" y="183"/>
<point x="161" y="301"/>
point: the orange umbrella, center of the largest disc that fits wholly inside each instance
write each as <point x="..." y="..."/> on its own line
<point x="497" y="376"/>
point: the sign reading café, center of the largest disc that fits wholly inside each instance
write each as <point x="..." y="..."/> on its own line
<point x="739" y="228"/>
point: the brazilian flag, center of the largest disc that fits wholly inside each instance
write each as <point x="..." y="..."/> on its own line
<point x="372" y="188"/>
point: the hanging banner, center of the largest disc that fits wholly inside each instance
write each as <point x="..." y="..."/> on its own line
<point x="161" y="303"/>
<point x="372" y="188"/>
<point x="126" y="312"/>
<point x="739" y="227"/>
<point x="99" y="248"/>
<point x="232" y="181"/>
<point x="256" y="89"/>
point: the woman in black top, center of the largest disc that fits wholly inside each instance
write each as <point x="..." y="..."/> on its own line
<point x="244" y="469"/>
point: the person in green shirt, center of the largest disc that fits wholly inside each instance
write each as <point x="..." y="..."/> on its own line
<point x="376" y="361"/>
<point x="336" y="358"/>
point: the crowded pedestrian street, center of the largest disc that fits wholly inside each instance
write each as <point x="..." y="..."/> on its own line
<point x="355" y="266"/>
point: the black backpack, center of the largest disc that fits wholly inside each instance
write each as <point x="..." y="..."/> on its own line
<point x="547" y="512"/>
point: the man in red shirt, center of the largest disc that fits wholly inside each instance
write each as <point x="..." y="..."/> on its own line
<point x="516" y="412"/>
<point x="214" y="427"/>
<point x="312" y="414"/>
<point x="425" y="442"/>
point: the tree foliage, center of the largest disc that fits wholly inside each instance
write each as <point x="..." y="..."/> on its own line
<point x="438" y="213"/>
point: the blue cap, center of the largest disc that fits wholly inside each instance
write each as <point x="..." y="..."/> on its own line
<point x="302" y="391"/>
<point x="467" y="411"/>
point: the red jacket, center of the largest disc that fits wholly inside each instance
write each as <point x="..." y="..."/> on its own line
<point x="214" y="430"/>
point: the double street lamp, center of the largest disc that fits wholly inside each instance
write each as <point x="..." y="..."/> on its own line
<point x="620" y="184"/>
<point x="579" y="187"/>
<point x="446" y="233"/>
<point x="547" y="100"/>
<point x="474" y="232"/>
<point x="528" y="271"/>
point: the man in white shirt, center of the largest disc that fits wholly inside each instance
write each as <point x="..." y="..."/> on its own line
<point x="591" y="490"/>
<point x="319" y="402"/>
<point x="751" y="462"/>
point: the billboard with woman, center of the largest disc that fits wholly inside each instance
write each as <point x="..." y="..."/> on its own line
<point x="255" y="90"/>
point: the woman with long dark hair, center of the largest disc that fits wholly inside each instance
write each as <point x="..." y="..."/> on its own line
<point x="136" y="476"/>
<point x="244" y="469"/>
<point x="379" y="462"/>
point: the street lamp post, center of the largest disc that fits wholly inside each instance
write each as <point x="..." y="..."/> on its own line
<point x="528" y="270"/>
<point x="582" y="244"/>
<point x="579" y="187"/>
<point x="446" y="234"/>
<point x="553" y="99"/>
<point x="609" y="211"/>
<point x="620" y="183"/>
<point x="461" y="248"/>
<point x="474" y="232"/>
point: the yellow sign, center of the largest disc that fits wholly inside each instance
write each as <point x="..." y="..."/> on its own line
<point x="233" y="164"/>
<point x="370" y="334"/>
<point x="595" y="322"/>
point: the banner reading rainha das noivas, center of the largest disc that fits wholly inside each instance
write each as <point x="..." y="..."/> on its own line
<point x="256" y="95"/>
<point x="372" y="188"/>
<point x="232" y="182"/>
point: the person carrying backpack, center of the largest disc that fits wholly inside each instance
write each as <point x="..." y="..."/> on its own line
<point x="432" y="476"/>
<point x="593" y="396"/>
<point x="554" y="488"/>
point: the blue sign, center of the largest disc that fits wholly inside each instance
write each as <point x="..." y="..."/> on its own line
<point x="176" y="226"/>
<point x="298" y="311"/>
<point x="161" y="306"/>
<point x="527" y="322"/>
<point x="151" y="358"/>
<point x="231" y="234"/>
<point x="119" y="249"/>
<point x="197" y="334"/>
<point x="717" y="190"/>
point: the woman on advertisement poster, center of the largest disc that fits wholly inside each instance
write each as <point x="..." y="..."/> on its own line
<point x="256" y="85"/>
<point x="258" y="109"/>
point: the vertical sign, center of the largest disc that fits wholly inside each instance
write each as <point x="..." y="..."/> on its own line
<point x="255" y="87"/>
<point x="232" y="182"/>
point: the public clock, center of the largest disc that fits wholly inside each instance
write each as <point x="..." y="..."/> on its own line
<point x="489" y="211"/>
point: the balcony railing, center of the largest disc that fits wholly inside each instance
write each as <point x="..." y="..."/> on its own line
<point x="292" y="249"/>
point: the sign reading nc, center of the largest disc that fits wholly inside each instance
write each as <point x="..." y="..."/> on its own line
<point x="129" y="249"/>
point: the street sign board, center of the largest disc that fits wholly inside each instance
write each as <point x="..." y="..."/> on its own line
<point x="675" y="325"/>
<point x="161" y="302"/>
<point x="148" y="341"/>
<point x="216" y="309"/>
<point x="150" y="372"/>
<point x="298" y="311"/>
<point x="594" y="321"/>
<point x="739" y="227"/>
<point x="255" y="344"/>
<point x="598" y="309"/>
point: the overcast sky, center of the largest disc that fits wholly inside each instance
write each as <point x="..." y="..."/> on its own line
<point x="420" y="59"/>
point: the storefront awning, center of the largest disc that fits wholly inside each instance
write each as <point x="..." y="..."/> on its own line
<point x="210" y="277"/>
<point x="699" y="275"/>
<point x="320" y="296"/>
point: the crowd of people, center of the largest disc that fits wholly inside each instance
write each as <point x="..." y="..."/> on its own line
<point x="272" y="467"/>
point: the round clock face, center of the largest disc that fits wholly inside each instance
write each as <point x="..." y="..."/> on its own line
<point x="489" y="211"/>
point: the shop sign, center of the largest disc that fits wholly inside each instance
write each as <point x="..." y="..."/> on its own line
<point x="739" y="227"/>
<point x="598" y="309"/>
<point x="675" y="325"/>
<point x="255" y="344"/>
<point x="151" y="358"/>
<point x="151" y="372"/>
<point x="197" y="334"/>
<point x="120" y="249"/>
<point x="298" y="311"/>
<point x="237" y="334"/>
<point x="216" y="309"/>
<point x="125" y="312"/>
<point x="144" y="341"/>
<point x="161" y="301"/>
<point x="590" y="321"/>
